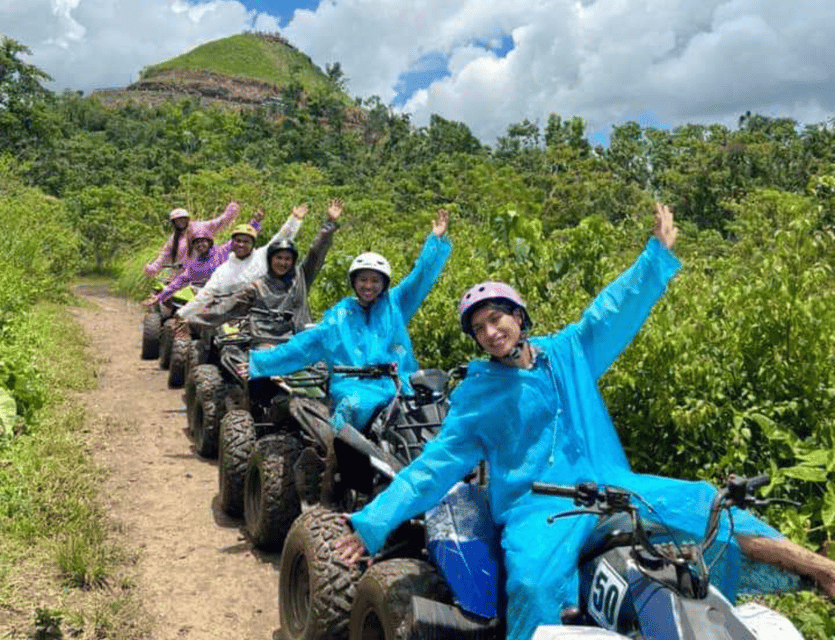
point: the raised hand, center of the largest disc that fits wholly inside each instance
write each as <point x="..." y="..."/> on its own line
<point x="301" y="211"/>
<point x="258" y="216"/>
<point x="665" y="228"/>
<point x="441" y="222"/>
<point x="335" y="208"/>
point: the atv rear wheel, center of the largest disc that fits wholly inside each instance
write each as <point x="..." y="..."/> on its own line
<point x="177" y="363"/>
<point x="166" y="340"/>
<point x="151" y="324"/>
<point x="383" y="608"/>
<point x="315" y="588"/>
<point x="271" y="501"/>
<point x="236" y="441"/>
<point x="206" y="410"/>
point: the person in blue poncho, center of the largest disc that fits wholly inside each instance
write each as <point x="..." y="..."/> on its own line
<point x="533" y="411"/>
<point x="370" y="328"/>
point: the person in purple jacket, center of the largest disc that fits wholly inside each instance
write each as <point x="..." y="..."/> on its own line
<point x="178" y="248"/>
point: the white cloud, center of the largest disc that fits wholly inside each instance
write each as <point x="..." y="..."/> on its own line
<point x="86" y="44"/>
<point x="608" y="61"/>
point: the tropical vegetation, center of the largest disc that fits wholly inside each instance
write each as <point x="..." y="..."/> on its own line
<point x="734" y="372"/>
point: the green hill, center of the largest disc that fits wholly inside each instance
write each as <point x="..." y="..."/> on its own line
<point x="247" y="56"/>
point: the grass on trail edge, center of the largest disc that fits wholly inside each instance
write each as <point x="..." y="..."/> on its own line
<point x="64" y="571"/>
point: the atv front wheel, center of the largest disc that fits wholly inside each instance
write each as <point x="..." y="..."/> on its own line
<point x="166" y="340"/>
<point x="151" y="324"/>
<point x="315" y="588"/>
<point x="271" y="501"/>
<point x="206" y="410"/>
<point x="236" y="441"/>
<point x="177" y="362"/>
<point x="383" y="606"/>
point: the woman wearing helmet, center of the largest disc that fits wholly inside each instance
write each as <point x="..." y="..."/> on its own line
<point x="244" y="264"/>
<point x="178" y="247"/>
<point x="533" y="411"/>
<point x="283" y="288"/>
<point x="207" y="257"/>
<point x="368" y="328"/>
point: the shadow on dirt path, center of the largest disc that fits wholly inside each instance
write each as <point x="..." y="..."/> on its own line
<point x="198" y="577"/>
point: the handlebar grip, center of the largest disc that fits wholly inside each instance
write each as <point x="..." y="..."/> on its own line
<point x="548" y="489"/>
<point x="758" y="481"/>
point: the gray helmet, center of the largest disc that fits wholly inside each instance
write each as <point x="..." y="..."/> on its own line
<point x="282" y="244"/>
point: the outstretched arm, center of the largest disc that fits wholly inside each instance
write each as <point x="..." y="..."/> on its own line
<point x="413" y="289"/>
<point x="617" y="314"/>
<point x="292" y="225"/>
<point x="224" y="219"/>
<point x="153" y="268"/>
<point x="303" y="349"/>
<point x="320" y="246"/>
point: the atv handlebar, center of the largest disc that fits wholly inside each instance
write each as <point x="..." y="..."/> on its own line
<point x="369" y="371"/>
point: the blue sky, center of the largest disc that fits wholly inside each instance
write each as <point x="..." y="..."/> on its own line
<point x="487" y="63"/>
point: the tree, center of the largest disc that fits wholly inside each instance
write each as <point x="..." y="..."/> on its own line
<point x="24" y="115"/>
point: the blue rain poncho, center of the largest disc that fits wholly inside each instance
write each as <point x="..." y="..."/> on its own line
<point x="550" y="424"/>
<point x="350" y="335"/>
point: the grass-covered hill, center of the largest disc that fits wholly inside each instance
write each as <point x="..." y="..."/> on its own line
<point x="245" y="68"/>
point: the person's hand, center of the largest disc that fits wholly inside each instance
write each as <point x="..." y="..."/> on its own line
<point x="258" y="216"/>
<point x="335" y="208"/>
<point x="349" y="547"/>
<point x="441" y="222"/>
<point x="665" y="228"/>
<point x="147" y="271"/>
<point x="301" y="211"/>
<point x="242" y="368"/>
<point x="150" y="301"/>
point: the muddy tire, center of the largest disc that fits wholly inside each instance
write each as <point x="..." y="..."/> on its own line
<point x="151" y="325"/>
<point x="206" y="409"/>
<point x="192" y="357"/>
<point x="236" y="441"/>
<point x="166" y="340"/>
<point x="271" y="502"/>
<point x="177" y="364"/>
<point x="315" y="588"/>
<point x="382" y="608"/>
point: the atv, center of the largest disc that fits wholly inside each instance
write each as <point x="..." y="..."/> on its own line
<point x="214" y="386"/>
<point x="315" y="588"/>
<point x="636" y="580"/>
<point x="152" y="321"/>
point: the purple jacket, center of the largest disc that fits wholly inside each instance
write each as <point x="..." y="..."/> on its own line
<point x="198" y="270"/>
<point x="212" y="226"/>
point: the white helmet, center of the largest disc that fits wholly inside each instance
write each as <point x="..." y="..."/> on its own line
<point x="177" y="213"/>
<point x="373" y="261"/>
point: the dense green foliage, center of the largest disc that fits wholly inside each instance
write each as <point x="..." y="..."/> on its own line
<point x="732" y="373"/>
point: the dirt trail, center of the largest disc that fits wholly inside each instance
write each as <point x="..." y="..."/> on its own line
<point x="198" y="576"/>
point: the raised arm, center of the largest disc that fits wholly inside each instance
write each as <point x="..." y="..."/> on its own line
<point x="410" y="293"/>
<point x="321" y="244"/>
<point x="224" y="219"/>
<point x="620" y="310"/>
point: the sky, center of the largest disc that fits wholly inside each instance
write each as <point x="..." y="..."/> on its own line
<point x="487" y="63"/>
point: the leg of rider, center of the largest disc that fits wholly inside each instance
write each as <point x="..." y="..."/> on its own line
<point x="791" y="557"/>
<point x="541" y="564"/>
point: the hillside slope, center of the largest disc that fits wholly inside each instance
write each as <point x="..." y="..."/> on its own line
<point x="248" y="68"/>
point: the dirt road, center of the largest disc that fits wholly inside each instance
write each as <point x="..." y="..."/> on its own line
<point x="199" y="578"/>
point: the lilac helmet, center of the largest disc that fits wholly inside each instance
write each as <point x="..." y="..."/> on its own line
<point x="490" y="291"/>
